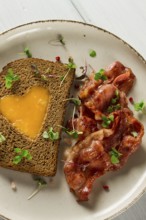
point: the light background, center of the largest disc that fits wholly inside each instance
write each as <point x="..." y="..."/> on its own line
<point x="125" y="18"/>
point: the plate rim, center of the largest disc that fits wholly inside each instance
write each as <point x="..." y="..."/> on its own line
<point x="107" y="32"/>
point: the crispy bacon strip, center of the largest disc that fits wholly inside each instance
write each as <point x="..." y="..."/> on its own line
<point x="116" y="73"/>
<point x="90" y="158"/>
<point x="97" y="95"/>
<point x="125" y="81"/>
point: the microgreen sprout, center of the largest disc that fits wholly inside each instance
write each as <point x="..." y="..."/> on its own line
<point x="113" y="108"/>
<point x="139" y="106"/>
<point x="107" y="121"/>
<point x="134" y="134"/>
<point x="61" y="39"/>
<point x="21" y="154"/>
<point x="75" y="101"/>
<point x="40" y="185"/>
<point x="50" y="134"/>
<point x="114" y="100"/>
<point x="92" y="53"/>
<point x="100" y="75"/>
<point x="71" y="64"/>
<point x="2" y="138"/>
<point x="10" y="78"/>
<point x="74" y="133"/>
<point x="115" y="155"/>
<point x="27" y="52"/>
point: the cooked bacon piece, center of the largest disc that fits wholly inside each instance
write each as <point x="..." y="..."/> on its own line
<point x="100" y="102"/>
<point x="85" y="162"/>
<point x="84" y="124"/>
<point x="124" y="82"/>
<point x="130" y="143"/>
<point x="114" y="70"/>
<point x="92" y="155"/>
<point x="116" y="73"/>
<point x="90" y="158"/>
<point x="100" y="99"/>
<point x="89" y="86"/>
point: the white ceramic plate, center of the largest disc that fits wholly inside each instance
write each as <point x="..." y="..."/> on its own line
<point x="56" y="202"/>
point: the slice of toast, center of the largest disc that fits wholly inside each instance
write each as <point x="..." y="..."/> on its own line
<point x="43" y="151"/>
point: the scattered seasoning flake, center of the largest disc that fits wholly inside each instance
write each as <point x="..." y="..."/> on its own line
<point x="92" y="53"/>
<point x="115" y="155"/>
<point x="57" y="59"/>
<point x="10" y="78"/>
<point x="100" y="75"/>
<point x="50" y="134"/>
<point x="106" y="187"/>
<point x="21" y="154"/>
<point x="40" y="185"/>
<point x="139" y="106"/>
<point x="131" y="100"/>
<point x="2" y="138"/>
<point x="134" y="134"/>
<point x="27" y="52"/>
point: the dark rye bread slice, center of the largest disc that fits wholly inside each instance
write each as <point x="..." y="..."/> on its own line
<point x="44" y="152"/>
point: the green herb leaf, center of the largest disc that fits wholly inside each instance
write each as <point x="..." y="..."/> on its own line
<point x="113" y="108"/>
<point x="116" y="99"/>
<point x="100" y="75"/>
<point x="92" y="53"/>
<point x="53" y="135"/>
<point x="134" y="133"/>
<point x="139" y="106"/>
<point x="10" y="78"/>
<point x="17" y="159"/>
<point x="45" y="135"/>
<point x="40" y="185"/>
<point x="114" y="159"/>
<point x="75" y="134"/>
<point x="117" y="93"/>
<point x="29" y="157"/>
<point x="61" y="39"/>
<point x="2" y="138"/>
<point x="71" y="64"/>
<point x="22" y="154"/>
<point x="50" y="134"/>
<point x="27" y="52"/>
<point x="17" y="150"/>
<point x="107" y="120"/>
<point x="76" y="101"/>
<point x="115" y="155"/>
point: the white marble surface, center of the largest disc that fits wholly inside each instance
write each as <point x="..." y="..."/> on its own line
<point x="125" y="18"/>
